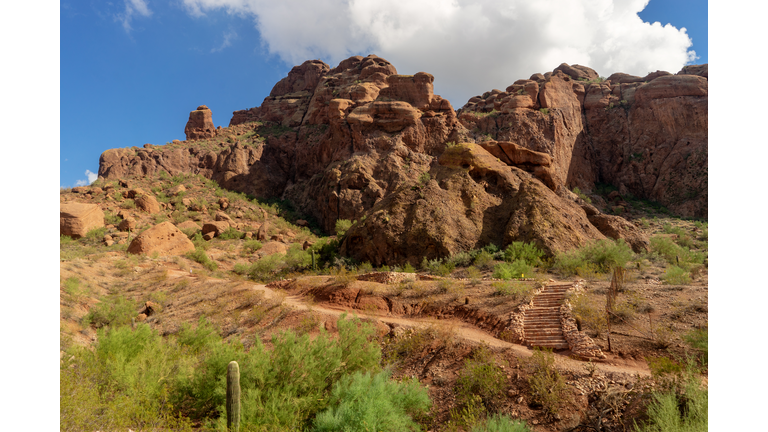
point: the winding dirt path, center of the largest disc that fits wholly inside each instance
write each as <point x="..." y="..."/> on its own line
<point x="461" y="330"/>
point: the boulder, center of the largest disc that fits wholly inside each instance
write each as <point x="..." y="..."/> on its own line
<point x="200" y="124"/>
<point x="272" y="247"/>
<point x="164" y="239"/>
<point x="176" y="190"/>
<point x="147" y="203"/>
<point x="671" y="86"/>
<point x="577" y="72"/>
<point x="263" y="231"/>
<point x="76" y="219"/>
<point x="216" y="227"/>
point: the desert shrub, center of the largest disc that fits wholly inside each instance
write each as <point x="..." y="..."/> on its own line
<point x="698" y="339"/>
<point x="251" y="246"/>
<point x="72" y="288"/>
<point x="461" y="259"/>
<point x="483" y="260"/>
<point x="266" y="268"/>
<point x="200" y="256"/>
<point x="111" y="218"/>
<point x="342" y="225"/>
<point x="516" y="290"/>
<point x="674" y="254"/>
<point x="230" y="234"/>
<point x="198" y="240"/>
<point x="363" y="402"/>
<point x="589" y="312"/>
<point x="128" y="204"/>
<point x="678" y="411"/>
<point x="581" y="195"/>
<point x="474" y="275"/>
<point x="547" y="386"/>
<point x="365" y="267"/>
<point x="601" y="255"/>
<point x="481" y="377"/>
<point x="675" y="275"/>
<point x="123" y="383"/>
<point x="527" y="252"/>
<point x="516" y="269"/>
<point x="297" y="258"/>
<point x="408" y="268"/>
<point x="501" y="423"/>
<point x="111" y="311"/>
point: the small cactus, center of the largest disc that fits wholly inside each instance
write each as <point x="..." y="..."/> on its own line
<point x="233" y="397"/>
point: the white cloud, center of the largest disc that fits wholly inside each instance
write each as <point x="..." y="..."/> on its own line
<point x="469" y="46"/>
<point x="133" y="7"/>
<point x="228" y="37"/>
<point x="91" y="178"/>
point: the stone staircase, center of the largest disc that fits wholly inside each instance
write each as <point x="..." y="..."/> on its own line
<point x="541" y="323"/>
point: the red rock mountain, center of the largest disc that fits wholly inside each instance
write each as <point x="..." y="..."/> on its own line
<point x="361" y="142"/>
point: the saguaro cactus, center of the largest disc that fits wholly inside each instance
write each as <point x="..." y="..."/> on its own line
<point x="233" y="396"/>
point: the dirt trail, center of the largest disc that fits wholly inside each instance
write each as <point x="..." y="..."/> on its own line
<point x="461" y="329"/>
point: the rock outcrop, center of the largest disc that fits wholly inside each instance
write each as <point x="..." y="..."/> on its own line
<point x="76" y="219"/>
<point x="200" y="124"/>
<point x="163" y="239"/>
<point x="645" y="135"/>
<point x="361" y="141"/>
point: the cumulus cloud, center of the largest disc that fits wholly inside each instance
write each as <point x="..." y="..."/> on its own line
<point x="132" y="8"/>
<point x="91" y="178"/>
<point x="228" y="37"/>
<point x="469" y="46"/>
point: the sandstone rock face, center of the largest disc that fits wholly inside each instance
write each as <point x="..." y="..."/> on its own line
<point x="472" y="200"/>
<point x="164" y="238"/>
<point x="617" y="227"/>
<point x="200" y="124"/>
<point x="647" y="136"/>
<point x="361" y="140"/>
<point x="76" y="219"/>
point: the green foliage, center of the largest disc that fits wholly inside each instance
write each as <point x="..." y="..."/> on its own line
<point x="365" y="402"/>
<point x="547" y="386"/>
<point x="663" y="365"/>
<point x="72" y="288"/>
<point x="515" y="290"/>
<point x="527" y="252"/>
<point x="481" y="377"/>
<point x="342" y="225"/>
<point x="251" y="246"/>
<point x="128" y="204"/>
<point x="581" y="195"/>
<point x="698" y="339"/>
<point x="544" y="111"/>
<point x="515" y="269"/>
<point x="266" y="268"/>
<point x="424" y="178"/>
<point x="675" y="275"/>
<point x="111" y="218"/>
<point x="678" y="411"/>
<point x="297" y="258"/>
<point x="230" y="234"/>
<point x="123" y="383"/>
<point x="601" y="255"/>
<point x="674" y="254"/>
<point x="501" y="423"/>
<point x="408" y="268"/>
<point x="484" y="259"/>
<point x="200" y="256"/>
<point x="112" y="310"/>
<point x="589" y="312"/>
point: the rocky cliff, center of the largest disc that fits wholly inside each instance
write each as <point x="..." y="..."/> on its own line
<point x="361" y="142"/>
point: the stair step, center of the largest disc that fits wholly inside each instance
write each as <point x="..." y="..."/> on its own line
<point x="559" y="346"/>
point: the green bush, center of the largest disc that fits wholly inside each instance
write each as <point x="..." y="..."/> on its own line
<point x="461" y="259"/>
<point x="516" y="290"/>
<point x="501" y="423"/>
<point x="200" y="256"/>
<point x="342" y="225"/>
<point x="483" y="260"/>
<point x="547" y="386"/>
<point x="516" y="269"/>
<point x="297" y="258"/>
<point x="267" y="268"/>
<point x="527" y="252"/>
<point x="251" y="246"/>
<point x="581" y="195"/>
<point x="364" y="402"/>
<point x="112" y="310"/>
<point x="230" y="234"/>
<point x="675" y="275"/>
<point x="673" y="411"/>
<point x="480" y="377"/>
<point x="601" y="255"/>
<point x="698" y="339"/>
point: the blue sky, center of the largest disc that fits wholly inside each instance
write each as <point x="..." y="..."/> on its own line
<point x="132" y="70"/>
